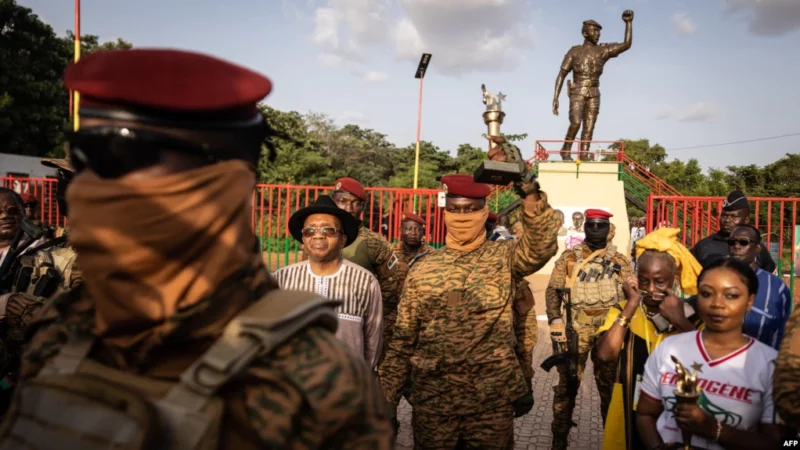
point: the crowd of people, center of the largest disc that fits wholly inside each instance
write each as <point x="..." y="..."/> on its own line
<point x="152" y="320"/>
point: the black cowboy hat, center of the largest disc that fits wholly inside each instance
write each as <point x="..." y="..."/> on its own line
<point x="324" y="205"/>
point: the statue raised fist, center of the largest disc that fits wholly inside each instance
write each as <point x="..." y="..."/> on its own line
<point x="627" y="15"/>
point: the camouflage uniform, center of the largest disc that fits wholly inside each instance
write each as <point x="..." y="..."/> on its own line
<point x="590" y="304"/>
<point x="786" y="382"/>
<point x="526" y="329"/>
<point x="309" y="393"/>
<point x="404" y="258"/>
<point x="454" y="337"/>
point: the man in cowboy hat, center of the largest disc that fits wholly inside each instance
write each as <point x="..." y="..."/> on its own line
<point x="325" y="230"/>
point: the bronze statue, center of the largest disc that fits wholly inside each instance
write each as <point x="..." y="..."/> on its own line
<point x="586" y="63"/>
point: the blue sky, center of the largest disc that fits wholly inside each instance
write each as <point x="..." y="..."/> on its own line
<point x="700" y="71"/>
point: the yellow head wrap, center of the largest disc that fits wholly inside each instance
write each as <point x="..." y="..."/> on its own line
<point x="666" y="240"/>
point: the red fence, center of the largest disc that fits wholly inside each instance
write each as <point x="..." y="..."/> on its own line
<point x="44" y="189"/>
<point x="272" y="205"/>
<point x="775" y="218"/>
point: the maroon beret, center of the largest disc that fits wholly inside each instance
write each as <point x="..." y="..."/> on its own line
<point x="492" y="218"/>
<point x="597" y="214"/>
<point x="167" y="81"/>
<point x="463" y="185"/>
<point x="352" y="186"/>
<point x="413" y="217"/>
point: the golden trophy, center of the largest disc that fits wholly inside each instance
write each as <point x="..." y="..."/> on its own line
<point x="512" y="168"/>
<point x="685" y="392"/>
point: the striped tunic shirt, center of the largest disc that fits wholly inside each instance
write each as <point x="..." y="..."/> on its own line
<point x="361" y="313"/>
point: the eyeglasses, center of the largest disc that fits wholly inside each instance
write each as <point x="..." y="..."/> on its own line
<point x="597" y="225"/>
<point x="324" y="231"/>
<point x="655" y="296"/>
<point x="112" y="152"/>
<point x="741" y="242"/>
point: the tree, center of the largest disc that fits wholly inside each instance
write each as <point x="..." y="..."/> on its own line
<point x="468" y="158"/>
<point x="33" y="103"/>
<point x="91" y="44"/>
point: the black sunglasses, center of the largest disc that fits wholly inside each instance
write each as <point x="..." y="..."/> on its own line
<point x="324" y="231"/>
<point x="741" y="242"/>
<point x="112" y="152"/>
<point x="600" y="225"/>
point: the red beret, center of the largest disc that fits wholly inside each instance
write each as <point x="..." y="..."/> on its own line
<point x="29" y="198"/>
<point x="170" y="81"/>
<point x="463" y="185"/>
<point x="492" y="218"/>
<point x="597" y="214"/>
<point x="352" y="186"/>
<point x="413" y="217"/>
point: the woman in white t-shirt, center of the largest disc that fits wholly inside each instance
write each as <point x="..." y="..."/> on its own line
<point x="734" y="373"/>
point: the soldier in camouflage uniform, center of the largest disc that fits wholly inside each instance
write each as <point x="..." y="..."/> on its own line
<point x="455" y="331"/>
<point x="408" y="249"/>
<point x="786" y="381"/>
<point x="592" y="295"/>
<point x="370" y="250"/>
<point x="169" y="259"/>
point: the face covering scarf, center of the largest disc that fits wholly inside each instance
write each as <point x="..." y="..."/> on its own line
<point x="155" y="251"/>
<point x="466" y="232"/>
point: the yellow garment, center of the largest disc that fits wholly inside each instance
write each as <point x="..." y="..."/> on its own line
<point x="666" y="240"/>
<point x="466" y="232"/>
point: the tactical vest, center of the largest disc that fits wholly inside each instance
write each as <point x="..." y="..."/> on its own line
<point x="47" y="272"/>
<point x="76" y="403"/>
<point x="597" y="284"/>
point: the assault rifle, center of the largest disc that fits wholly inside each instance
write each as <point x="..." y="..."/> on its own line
<point x="566" y="354"/>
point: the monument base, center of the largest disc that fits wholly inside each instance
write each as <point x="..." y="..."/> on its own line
<point x="499" y="173"/>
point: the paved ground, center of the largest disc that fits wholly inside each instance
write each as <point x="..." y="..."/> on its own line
<point x="532" y="432"/>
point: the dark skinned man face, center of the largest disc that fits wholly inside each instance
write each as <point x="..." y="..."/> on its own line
<point x="10" y="217"/>
<point x="596" y="233"/>
<point x="743" y="245"/>
<point x="463" y="205"/>
<point x="729" y="220"/>
<point x="411" y="233"/>
<point x="349" y="203"/>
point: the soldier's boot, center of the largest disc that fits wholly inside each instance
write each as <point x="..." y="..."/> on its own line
<point x="560" y="441"/>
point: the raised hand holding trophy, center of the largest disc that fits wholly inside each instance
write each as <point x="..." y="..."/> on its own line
<point x="505" y="164"/>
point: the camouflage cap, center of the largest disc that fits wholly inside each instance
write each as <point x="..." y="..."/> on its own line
<point x="592" y="23"/>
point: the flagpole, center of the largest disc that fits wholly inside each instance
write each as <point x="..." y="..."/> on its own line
<point x="76" y="94"/>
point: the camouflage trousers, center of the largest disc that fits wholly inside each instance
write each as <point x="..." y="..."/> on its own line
<point x="388" y="330"/>
<point x="487" y="430"/>
<point x="604" y="375"/>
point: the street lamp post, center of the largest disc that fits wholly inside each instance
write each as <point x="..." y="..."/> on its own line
<point x="75" y="107"/>
<point x="420" y="74"/>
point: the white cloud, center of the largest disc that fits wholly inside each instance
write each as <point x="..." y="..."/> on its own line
<point x="699" y="112"/>
<point x="373" y="76"/>
<point x="462" y="35"/>
<point x="768" y="17"/>
<point x="329" y="60"/>
<point x="354" y="117"/>
<point x="684" y="24"/>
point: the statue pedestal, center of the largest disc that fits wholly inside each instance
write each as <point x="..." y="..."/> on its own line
<point x="574" y="188"/>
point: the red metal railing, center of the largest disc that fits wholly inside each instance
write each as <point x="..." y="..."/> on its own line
<point x="42" y="188"/>
<point x="273" y="205"/>
<point x="775" y="218"/>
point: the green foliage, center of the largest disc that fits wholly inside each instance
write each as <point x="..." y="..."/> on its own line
<point x="511" y="137"/>
<point x="34" y="106"/>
